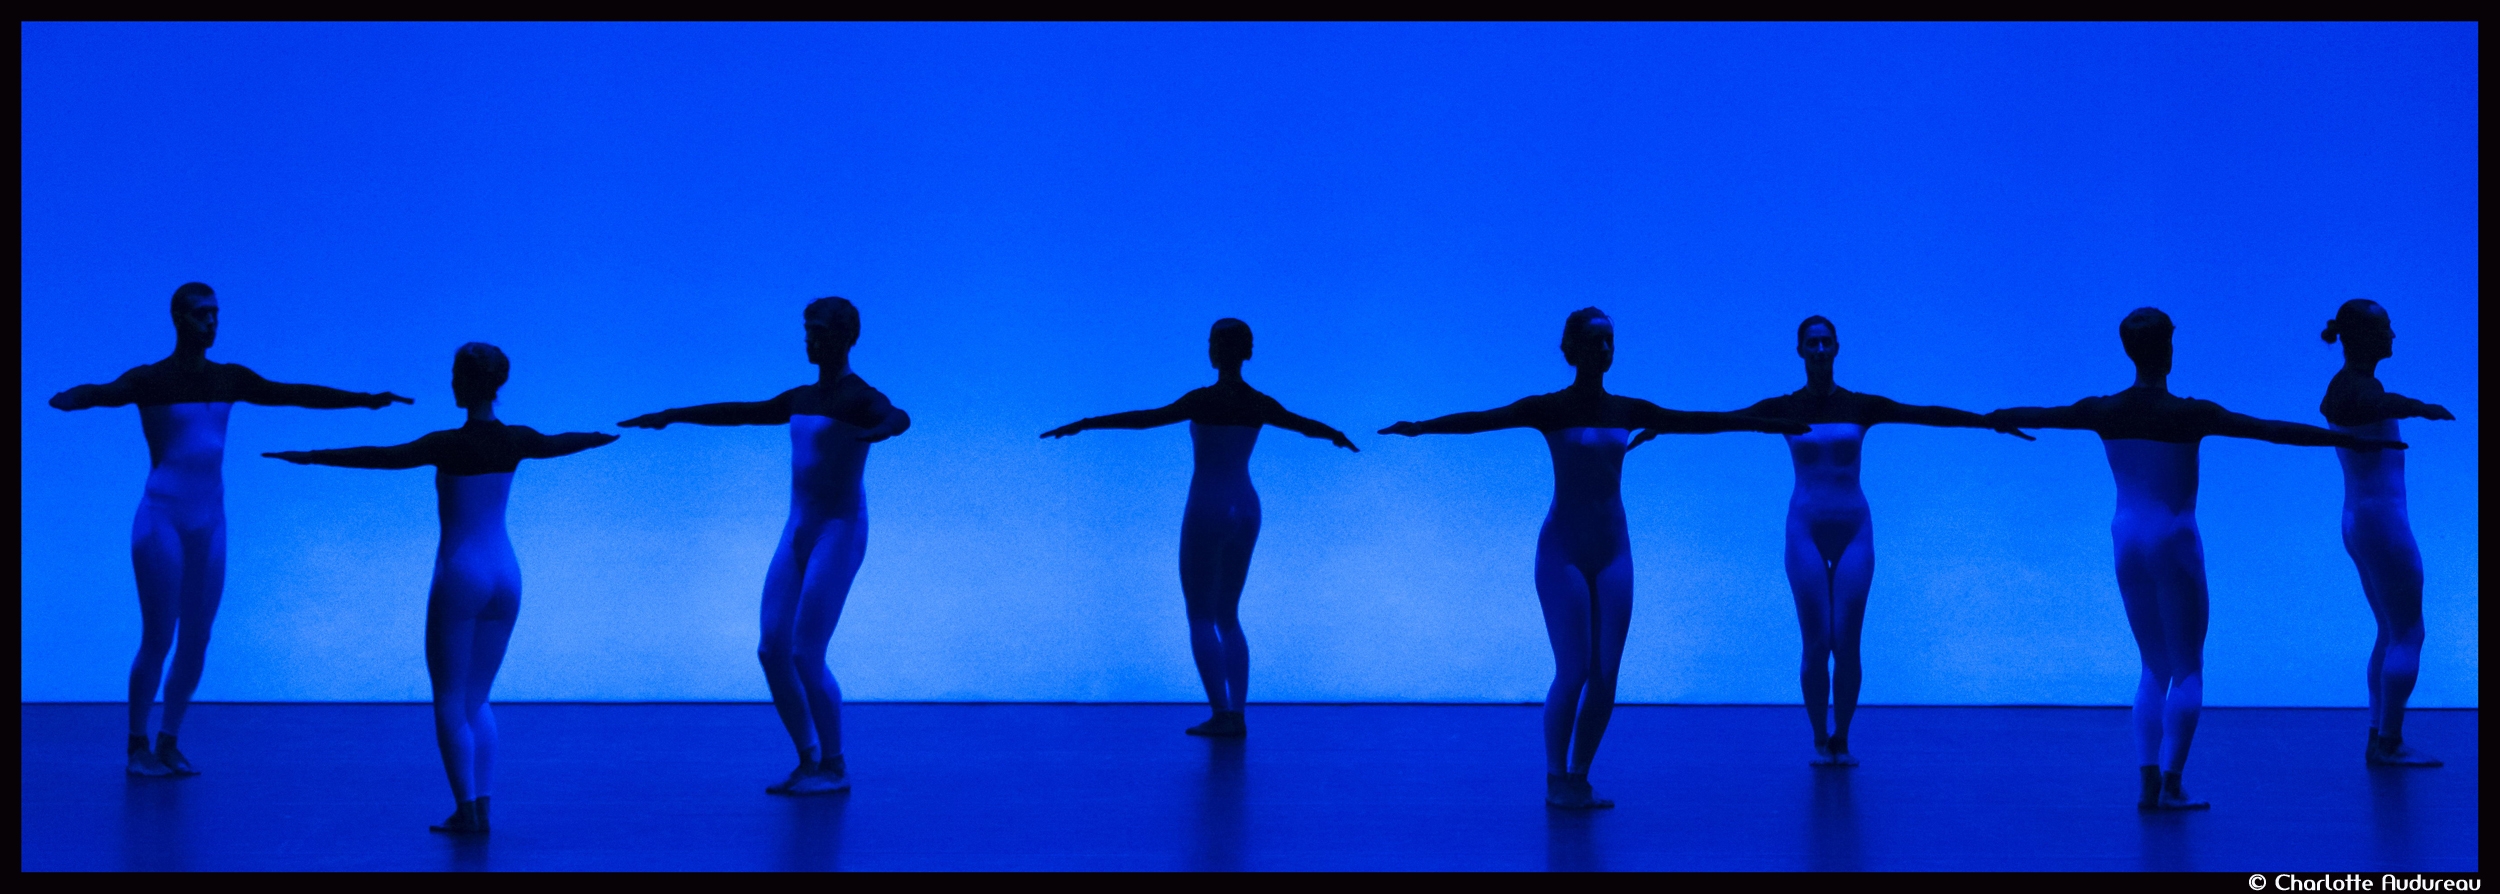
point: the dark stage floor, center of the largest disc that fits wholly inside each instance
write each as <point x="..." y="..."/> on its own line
<point x="337" y="787"/>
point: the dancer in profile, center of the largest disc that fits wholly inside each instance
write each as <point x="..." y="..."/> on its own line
<point x="2376" y="531"/>
<point x="832" y="422"/>
<point x="1221" y="522"/>
<point x="1584" y="551"/>
<point x="178" y="542"/>
<point x="476" y="594"/>
<point x="2151" y="437"/>
<point x="1831" y="535"/>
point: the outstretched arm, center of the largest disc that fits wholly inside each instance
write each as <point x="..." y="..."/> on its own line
<point x="2236" y="425"/>
<point x="1651" y="417"/>
<point x="120" y="392"/>
<point x="252" y="389"/>
<point x="763" y="412"/>
<point x="2391" y="405"/>
<point x="1133" y="419"/>
<point x="1290" y="421"/>
<point x="2074" y="417"/>
<point x="405" y="456"/>
<point x="566" y="444"/>
<point x="1465" y="423"/>
<point x="1946" y="417"/>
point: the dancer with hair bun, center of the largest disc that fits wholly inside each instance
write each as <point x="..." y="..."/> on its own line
<point x="476" y="595"/>
<point x="2377" y="531"/>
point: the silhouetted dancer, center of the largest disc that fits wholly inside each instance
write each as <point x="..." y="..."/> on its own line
<point x="2377" y="533"/>
<point x="832" y="422"/>
<point x="2151" y="438"/>
<point x="1584" y="552"/>
<point x="476" y="594"/>
<point x="1221" y="522"/>
<point x="1831" y="535"/>
<point x="178" y="542"/>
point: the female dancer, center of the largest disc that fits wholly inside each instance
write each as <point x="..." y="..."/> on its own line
<point x="1584" y="552"/>
<point x="832" y="422"/>
<point x="1220" y="525"/>
<point x="2376" y="532"/>
<point x="2151" y="437"/>
<point x="477" y="582"/>
<point x="178" y="543"/>
<point x="1831" y="536"/>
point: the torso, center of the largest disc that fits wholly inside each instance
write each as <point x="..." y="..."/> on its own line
<point x="2156" y="479"/>
<point x="184" y="413"/>
<point x="2373" y="478"/>
<point x="1220" y="454"/>
<point x="472" y="511"/>
<point x="827" y="458"/>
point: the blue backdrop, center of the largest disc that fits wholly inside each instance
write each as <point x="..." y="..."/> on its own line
<point x="1039" y="222"/>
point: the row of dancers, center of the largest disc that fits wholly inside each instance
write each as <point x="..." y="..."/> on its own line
<point x="1583" y="559"/>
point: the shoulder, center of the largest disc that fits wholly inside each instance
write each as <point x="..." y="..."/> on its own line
<point x="855" y="388"/>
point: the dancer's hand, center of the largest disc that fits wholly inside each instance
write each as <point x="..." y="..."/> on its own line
<point x="2016" y="432"/>
<point x="297" y="457"/>
<point x="653" y="421"/>
<point x="2378" y="444"/>
<point x="2434" y="411"/>
<point x="1643" y="437"/>
<point x="63" y="401"/>
<point x="1408" y="429"/>
<point x="384" y="399"/>
<point x="1064" y="430"/>
<point x="1338" y="438"/>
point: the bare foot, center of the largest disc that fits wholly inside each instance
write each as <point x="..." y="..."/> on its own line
<point x="2174" y="797"/>
<point x="464" y="820"/>
<point x="1224" y="725"/>
<point x="829" y="777"/>
<point x="1571" y="791"/>
<point x="172" y="757"/>
<point x="2387" y="752"/>
<point x="805" y="769"/>
<point x="143" y="762"/>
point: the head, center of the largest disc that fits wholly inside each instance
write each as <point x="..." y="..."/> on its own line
<point x="478" y="371"/>
<point x="2364" y="329"/>
<point x="832" y="328"/>
<point x="2146" y="334"/>
<point x="1228" y="343"/>
<point x="1588" y="340"/>
<point x="1818" y="340"/>
<point x="195" y="315"/>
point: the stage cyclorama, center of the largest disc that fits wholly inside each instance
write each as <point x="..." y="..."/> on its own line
<point x="2273" y="515"/>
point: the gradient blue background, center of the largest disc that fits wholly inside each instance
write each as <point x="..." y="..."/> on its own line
<point x="1039" y="222"/>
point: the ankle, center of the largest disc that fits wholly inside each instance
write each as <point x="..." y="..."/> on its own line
<point x="138" y="742"/>
<point x="833" y="765"/>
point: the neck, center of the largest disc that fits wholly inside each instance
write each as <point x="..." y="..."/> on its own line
<point x="189" y="354"/>
<point x="1819" y="378"/>
<point x="2158" y="381"/>
<point x="830" y="372"/>
<point x="1228" y="375"/>
<point x="482" y="412"/>
<point x="1585" y="379"/>
<point x="2362" y="366"/>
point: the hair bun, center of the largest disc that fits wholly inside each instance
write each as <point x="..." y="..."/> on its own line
<point x="2332" y="330"/>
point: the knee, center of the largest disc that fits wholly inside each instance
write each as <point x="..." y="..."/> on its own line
<point x="775" y="654"/>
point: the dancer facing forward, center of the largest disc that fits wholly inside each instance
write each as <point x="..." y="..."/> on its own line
<point x="1584" y="551"/>
<point x="2151" y="437"/>
<point x="178" y="541"/>
<point x="832" y="422"/>
<point x="1831" y="535"/>
<point x="2377" y="533"/>
<point x="476" y="595"/>
<point x="1220" y="524"/>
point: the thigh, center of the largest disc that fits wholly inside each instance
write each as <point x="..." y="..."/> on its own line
<point x="450" y="640"/>
<point x="156" y="556"/>
<point x="2184" y="608"/>
<point x="1614" y="610"/>
<point x="780" y="611"/>
<point x="2139" y="586"/>
<point x="826" y="585"/>
<point x="204" y="575"/>
<point x="1853" y="576"/>
<point x="1808" y="586"/>
<point x="1563" y="592"/>
<point x="488" y="638"/>
<point x="2383" y="550"/>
